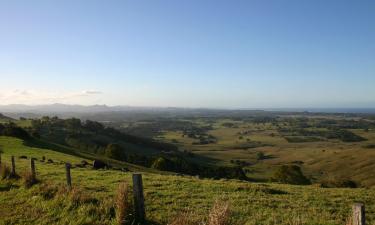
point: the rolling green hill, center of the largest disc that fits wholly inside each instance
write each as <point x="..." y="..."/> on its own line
<point x="92" y="139"/>
<point x="166" y="196"/>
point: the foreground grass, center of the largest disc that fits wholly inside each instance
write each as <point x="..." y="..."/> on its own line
<point x="166" y="196"/>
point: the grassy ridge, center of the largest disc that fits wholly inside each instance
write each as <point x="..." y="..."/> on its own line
<point x="166" y="196"/>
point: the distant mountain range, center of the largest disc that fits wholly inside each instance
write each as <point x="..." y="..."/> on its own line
<point x="55" y="108"/>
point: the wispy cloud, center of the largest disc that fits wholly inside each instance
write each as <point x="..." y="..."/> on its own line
<point x="42" y="97"/>
<point x="92" y="92"/>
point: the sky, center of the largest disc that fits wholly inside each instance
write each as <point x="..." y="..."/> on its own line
<point x="193" y="53"/>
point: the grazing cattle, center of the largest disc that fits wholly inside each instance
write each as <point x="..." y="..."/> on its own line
<point x="97" y="164"/>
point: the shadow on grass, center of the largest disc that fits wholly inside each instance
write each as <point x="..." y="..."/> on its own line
<point x="38" y="143"/>
<point x="7" y="187"/>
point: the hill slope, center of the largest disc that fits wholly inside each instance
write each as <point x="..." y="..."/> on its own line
<point x="5" y="118"/>
<point x="165" y="196"/>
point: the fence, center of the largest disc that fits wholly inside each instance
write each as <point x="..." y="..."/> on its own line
<point x="358" y="209"/>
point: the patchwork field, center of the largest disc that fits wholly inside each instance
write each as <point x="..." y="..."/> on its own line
<point x="166" y="196"/>
<point x="286" y="140"/>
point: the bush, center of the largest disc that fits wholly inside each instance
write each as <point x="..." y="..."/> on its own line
<point x="290" y="174"/>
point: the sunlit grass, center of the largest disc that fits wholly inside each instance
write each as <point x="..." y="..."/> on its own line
<point x="166" y="196"/>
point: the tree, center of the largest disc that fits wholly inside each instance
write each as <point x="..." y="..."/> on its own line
<point x="290" y="174"/>
<point x="93" y="126"/>
<point x="11" y="129"/>
<point x="72" y="123"/>
<point x="161" y="164"/>
<point x="114" y="151"/>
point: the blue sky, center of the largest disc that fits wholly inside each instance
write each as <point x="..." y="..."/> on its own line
<point x="195" y="53"/>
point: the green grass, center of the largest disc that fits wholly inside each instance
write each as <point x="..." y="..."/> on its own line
<point x="166" y="196"/>
<point x="322" y="159"/>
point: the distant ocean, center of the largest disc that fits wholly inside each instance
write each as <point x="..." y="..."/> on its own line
<point x="325" y="110"/>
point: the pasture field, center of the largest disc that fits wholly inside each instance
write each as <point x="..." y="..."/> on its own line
<point x="166" y="196"/>
<point x="281" y="142"/>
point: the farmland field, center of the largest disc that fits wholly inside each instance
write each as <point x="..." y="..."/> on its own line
<point x="326" y="146"/>
<point x="165" y="196"/>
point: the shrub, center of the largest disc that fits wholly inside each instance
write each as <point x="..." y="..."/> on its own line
<point x="290" y="174"/>
<point x="123" y="207"/>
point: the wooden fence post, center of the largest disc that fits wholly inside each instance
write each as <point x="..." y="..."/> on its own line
<point x="139" y="204"/>
<point x="32" y="166"/>
<point x="359" y="214"/>
<point x="13" y="167"/>
<point x="68" y="177"/>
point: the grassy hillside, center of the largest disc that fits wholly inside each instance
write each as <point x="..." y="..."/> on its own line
<point x="166" y="196"/>
<point x="94" y="140"/>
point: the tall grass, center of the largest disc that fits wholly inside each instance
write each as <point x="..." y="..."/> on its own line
<point x="28" y="179"/>
<point x="123" y="206"/>
<point x="5" y="172"/>
<point x="183" y="218"/>
<point x="219" y="213"/>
